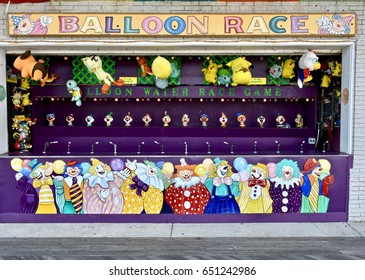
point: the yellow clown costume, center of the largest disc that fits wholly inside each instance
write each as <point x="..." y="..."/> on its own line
<point x="255" y="196"/>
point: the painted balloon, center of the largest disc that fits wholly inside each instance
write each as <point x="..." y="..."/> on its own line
<point x="208" y="163"/>
<point x="240" y="164"/>
<point x="200" y="170"/>
<point x="58" y="166"/>
<point x="117" y="164"/>
<point x="85" y="167"/>
<point x="271" y="167"/>
<point x="16" y="164"/>
<point x="168" y="168"/>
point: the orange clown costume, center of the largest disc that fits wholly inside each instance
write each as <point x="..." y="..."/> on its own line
<point x="255" y="196"/>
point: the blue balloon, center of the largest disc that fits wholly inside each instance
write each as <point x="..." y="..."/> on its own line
<point x="25" y="171"/>
<point x="85" y="167"/>
<point x="240" y="164"/>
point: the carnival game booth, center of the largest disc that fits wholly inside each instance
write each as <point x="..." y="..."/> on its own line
<point x="255" y="131"/>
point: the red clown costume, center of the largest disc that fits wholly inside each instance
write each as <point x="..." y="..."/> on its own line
<point x="187" y="194"/>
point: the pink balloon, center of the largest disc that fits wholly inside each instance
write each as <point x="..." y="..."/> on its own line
<point x="26" y="162"/>
<point x="271" y="167"/>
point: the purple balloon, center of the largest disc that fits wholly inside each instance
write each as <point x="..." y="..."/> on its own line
<point x="117" y="164"/>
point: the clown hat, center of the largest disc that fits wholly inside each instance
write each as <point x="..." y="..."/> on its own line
<point x="310" y="164"/>
<point x="16" y="20"/>
<point x="95" y="162"/>
<point x="184" y="166"/>
<point x="71" y="163"/>
<point x="34" y="164"/>
<point x="217" y="161"/>
<point x="347" y="20"/>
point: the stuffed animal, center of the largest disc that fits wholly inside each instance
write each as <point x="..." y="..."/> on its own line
<point x="241" y="71"/>
<point x="288" y="69"/>
<point x="175" y="71"/>
<point x="161" y="68"/>
<point x="146" y="70"/>
<point x="210" y="73"/>
<point x="75" y="91"/>
<point x="307" y="63"/>
<point x="29" y="67"/>
<point x="336" y="68"/>
<point x="95" y="66"/>
<point x="275" y="71"/>
<point x="224" y="77"/>
<point x="325" y="82"/>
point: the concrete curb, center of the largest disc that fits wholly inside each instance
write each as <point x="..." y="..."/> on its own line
<point x="350" y="229"/>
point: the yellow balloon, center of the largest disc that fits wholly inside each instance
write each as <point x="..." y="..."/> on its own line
<point x="16" y="164"/>
<point x="208" y="163"/>
<point x="200" y="170"/>
<point x="161" y="67"/>
<point x="168" y="168"/>
<point x="325" y="164"/>
<point x="58" y="166"/>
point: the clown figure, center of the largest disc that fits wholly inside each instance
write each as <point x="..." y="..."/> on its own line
<point x="142" y="187"/>
<point x="285" y="189"/>
<point x="255" y="197"/>
<point x="223" y="186"/>
<point x="186" y="194"/>
<point x="70" y="191"/>
<point x="101" y="194"/>
<point x="43" y="183"/>
<point x="315" y="187"/>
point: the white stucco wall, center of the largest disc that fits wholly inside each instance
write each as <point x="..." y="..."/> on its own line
<point x="357" y="179"/>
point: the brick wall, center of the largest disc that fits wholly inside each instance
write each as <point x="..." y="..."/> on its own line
<point x="357" y="178"/>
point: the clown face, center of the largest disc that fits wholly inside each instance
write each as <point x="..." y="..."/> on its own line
<point x="185" y="175"/>
<point x="151" y="170"/>
<point x="26" y="26"/>
<point x="100" y="170"/>
<point x="222" y="171"/>
<point x="317" y="171"/>
<point x="258" y="173"/>
<point x="287" y="173"/>
<point x="73" y="171"/>
<point x="38" y="174"/>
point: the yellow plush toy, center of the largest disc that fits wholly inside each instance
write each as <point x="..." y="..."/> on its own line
<point x="210" y="73"/>
<point x="161" y="68"/>
<point x="288" y="69"/>
<point x="241" y="74"/>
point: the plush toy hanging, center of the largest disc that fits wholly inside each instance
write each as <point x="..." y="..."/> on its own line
<point x="75" y="92"/>
<point x="146" y="70"/>
<point x="224" y="77"/>
<point x="307" y="63"/>
<point x="29" y="67"/>
<point x="241" y="74"/>
<point x="211" y="72"/>
<point x="288" y="69"/>
<point x="161" y="68"/>
<point x="95" y="66"/>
